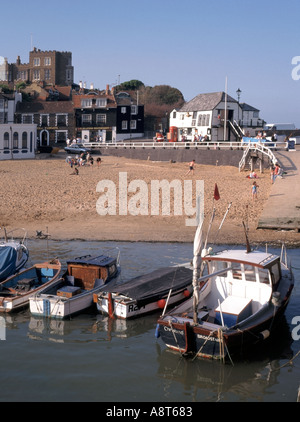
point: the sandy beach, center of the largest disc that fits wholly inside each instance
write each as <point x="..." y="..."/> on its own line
<point x="44" y="195"/>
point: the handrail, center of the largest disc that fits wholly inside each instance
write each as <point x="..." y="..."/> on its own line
<point x="257" y="147"/>
<point x="165" y="145"/>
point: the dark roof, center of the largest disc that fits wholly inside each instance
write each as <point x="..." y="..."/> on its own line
<point x="100" y="260"/>
<point x="206" y="102"/>
<point x="247" y="107"/>
<point x="45" y="107"/>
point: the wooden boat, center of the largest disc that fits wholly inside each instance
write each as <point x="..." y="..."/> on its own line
<point x="16" y="290"/>
<point x="73" y="293"/>
<point x="235" y="305"/>
<point x="13" y="254"/>
<point x="147" y="293"/>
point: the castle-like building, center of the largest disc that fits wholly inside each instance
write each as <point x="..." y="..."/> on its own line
<point x="51" y="67"/>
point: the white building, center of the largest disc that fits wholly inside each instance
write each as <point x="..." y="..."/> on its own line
<point x="205" y="115"/>
<point x="17" y="141"/>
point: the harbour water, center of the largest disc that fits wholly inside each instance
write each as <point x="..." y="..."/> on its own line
<point x="92" y="358"/>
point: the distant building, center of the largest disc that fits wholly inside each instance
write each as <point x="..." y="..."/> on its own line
<point x="95" y="115"/>
<point x="8" y="103"/>
<point x="51" y="67"/>
<point x="54" y="120"/>
<point x="130" y="117"/>
<point x="17" y="141"/>
<point x="217" y="116"/>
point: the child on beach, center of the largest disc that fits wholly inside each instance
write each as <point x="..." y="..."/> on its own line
<point x="254" y="191"/>
<point x="191" y="169"/>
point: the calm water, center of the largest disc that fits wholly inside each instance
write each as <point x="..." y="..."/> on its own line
<point x="91" y="358"/>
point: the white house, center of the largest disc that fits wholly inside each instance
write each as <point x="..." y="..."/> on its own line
<point x="17" y="141"/>
<point x="205" y="115"/>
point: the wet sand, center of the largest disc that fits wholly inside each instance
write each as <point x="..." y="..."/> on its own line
<point x="44" y="195"/>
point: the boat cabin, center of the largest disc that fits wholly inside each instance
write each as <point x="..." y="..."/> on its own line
<point x="87" y="270"/>
<point x="247" y="283"/>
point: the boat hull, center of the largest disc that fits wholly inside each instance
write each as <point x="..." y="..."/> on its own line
<point x="212" y="341"/>
<point x="59" y="307"/>
<point x="127" y="308"/>
<point x="13" y="298"/>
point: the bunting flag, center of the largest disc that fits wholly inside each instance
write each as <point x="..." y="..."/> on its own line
<point x="216" y="193"/>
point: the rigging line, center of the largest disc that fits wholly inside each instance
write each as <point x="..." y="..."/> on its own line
<point x="287" y="363"/>
<point x="171" y="326"/>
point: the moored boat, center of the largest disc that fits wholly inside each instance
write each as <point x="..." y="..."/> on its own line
<point x="147" y="293"/>
<point x="73" y="293"/>
<point x="13" y="254"/>
<point x="235" y="305"/>
<point x="16" y="290"/>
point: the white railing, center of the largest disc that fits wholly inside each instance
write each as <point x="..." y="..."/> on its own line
<point x="257" y="147"/>
<point x="166" y="145"/>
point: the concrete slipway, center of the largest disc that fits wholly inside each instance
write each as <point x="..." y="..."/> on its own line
<point x="282" y="210"/>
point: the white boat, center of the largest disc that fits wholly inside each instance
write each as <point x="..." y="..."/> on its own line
<point x="235" y="305"/>
<point x="147" y="293"/>
<point x="16" y="290"/>
<point x="13" y="254"/>
<point x="73" y="293"/>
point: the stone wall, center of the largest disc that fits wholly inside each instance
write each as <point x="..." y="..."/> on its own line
<point x="211" y="156"/>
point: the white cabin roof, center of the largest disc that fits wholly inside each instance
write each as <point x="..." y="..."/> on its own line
<point x="256" y="258"/>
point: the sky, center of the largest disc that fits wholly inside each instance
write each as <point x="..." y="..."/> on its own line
<point x="194" y="46"/>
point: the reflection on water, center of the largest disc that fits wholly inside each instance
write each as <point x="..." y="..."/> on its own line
<point x="68" y="360"/>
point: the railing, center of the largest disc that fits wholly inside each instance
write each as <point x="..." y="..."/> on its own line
<point x="257" y="147"/>
<point x="166" y="145"/>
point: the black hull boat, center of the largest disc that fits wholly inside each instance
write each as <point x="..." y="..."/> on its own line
<point x="238" y="303"/>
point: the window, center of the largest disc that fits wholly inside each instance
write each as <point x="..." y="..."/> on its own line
<point x="24" y="140"/>
<point x="36" y="61"/>
<point x="123" y="110"/>
<point x="182" y="116"/>
<point x="47" y="61"/>
<point x="194" y="122"/>
<point x="124" y="124"/>
<point x="69" y="75"/>
<point x="134" y="109"/>
<point x="47" y="74"/>
<point x="44" y="120"/>
<point x="133" y="124"/>
<point x="61" y="120"/>
<point x="22" y="75"/>
<point x="6" y="140"/>
<point x="174" y="114"/>
<point x="36" y="75"/>
<point x="100" y="118"/>
<point x="61" y="135"/>
<point x="27" y="118"/>
<point x="86" y="118"/>
<point x="101" y="102"/>
<point x="86" y="103"/>
<point x="15" y="140"/>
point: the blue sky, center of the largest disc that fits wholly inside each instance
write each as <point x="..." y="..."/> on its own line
<point x="190" y="45"/>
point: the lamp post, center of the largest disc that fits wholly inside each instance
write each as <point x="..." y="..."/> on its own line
<point x="239" y="96"/>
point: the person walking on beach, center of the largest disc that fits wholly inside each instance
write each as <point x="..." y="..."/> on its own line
<point x="191" y="169"/>
<point x="254" y="191"/>
<point x="98" y="162"/>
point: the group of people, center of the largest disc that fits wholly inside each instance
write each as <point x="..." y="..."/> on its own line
<point x="83" y="160"/>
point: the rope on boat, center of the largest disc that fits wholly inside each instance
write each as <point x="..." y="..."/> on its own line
<point x="287" y="363"/>
<point x="175" y="338"/>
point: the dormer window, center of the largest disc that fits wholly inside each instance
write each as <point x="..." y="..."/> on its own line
<point x="101" y="102"/>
